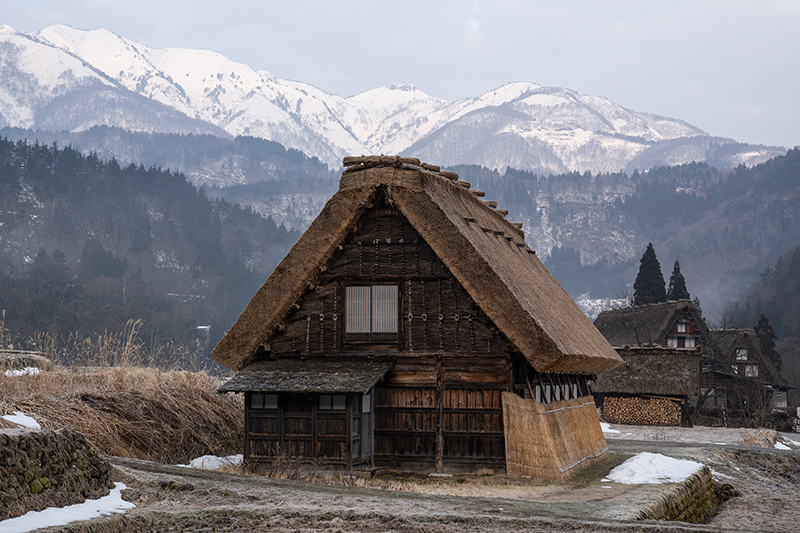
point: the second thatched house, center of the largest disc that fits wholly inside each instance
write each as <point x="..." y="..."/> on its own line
<point x="412" y="327"/>
<point x="740" y="376"/>
<point x="661" y="345"/>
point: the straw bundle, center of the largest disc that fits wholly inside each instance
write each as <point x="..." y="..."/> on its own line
<point x="551" y="442"/>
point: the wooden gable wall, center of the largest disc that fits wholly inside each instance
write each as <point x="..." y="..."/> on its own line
<point x="436" y="312"/>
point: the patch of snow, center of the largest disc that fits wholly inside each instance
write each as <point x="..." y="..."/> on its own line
<point x="61" y="516"/>
<point x="781" y="446"/>
<point x="27" y="371"/>
<point x="606" y="427"/>
<point x="717" y="475"/>
<point x="212" y="462"/>
<point x="653" y="468"/>
<point x="21" y="419"/>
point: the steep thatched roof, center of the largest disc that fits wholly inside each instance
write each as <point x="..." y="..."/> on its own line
<point x="646" y="325"/>
<point x="342" y="376"/>
<point x="653" y="370"/>
<point x="486" y="254"/>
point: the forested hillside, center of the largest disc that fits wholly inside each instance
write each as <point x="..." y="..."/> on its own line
<point x="725" y="226"/>
<point x="86" y="245"/>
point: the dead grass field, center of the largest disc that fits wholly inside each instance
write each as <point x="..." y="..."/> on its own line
<point x="124" y="407"/>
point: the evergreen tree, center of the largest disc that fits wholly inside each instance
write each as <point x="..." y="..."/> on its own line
<point x="649" y="287"/>
<point x="677" y="285"/>
<point x="766" y="337"/>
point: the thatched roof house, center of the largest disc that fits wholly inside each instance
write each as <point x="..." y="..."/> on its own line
<point x="661" y="345"/>
<point x="676" y="324"/>
<point x="739" y="370"/>
<point x="424" y="292"/>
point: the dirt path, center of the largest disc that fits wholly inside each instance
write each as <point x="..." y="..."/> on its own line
<point x="446" y="505"/>
<point x="768" y="482"/>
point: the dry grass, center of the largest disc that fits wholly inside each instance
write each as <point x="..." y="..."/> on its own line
<point x="123" y="406"/>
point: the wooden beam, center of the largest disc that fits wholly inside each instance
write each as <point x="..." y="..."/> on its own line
<point x="439" y="414"/>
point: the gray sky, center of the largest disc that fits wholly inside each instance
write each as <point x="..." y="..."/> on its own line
<point x="730" y="67"/>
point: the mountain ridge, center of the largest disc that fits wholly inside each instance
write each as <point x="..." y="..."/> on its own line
<point x="521" y="124"/>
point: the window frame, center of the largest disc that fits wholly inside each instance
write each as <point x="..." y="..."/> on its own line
<point x="373" y="336"/>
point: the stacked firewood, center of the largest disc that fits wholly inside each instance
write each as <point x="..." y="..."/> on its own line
<point x="642" y="411"/>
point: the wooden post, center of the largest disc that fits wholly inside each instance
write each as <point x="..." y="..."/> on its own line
<point x="528" y="382"/>
<point x="348" y="449"/>
<point x="247" y="428"/>
<point x="439" y="413"/>
<point x="541" y="384"/>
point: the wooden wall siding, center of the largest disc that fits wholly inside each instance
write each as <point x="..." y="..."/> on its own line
<point x="443" y="409"/>
<point x="298" y="430"/>
<point x="436" y="312"/>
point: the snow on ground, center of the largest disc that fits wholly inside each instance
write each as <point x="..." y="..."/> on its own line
<point x="60" y="516"/>
<point x="27" y="371"/>
<point x="606" y="427"/>
<point x="21" y="419"/>
<point x="648" y="467"/>
<point x="781" y="446"/>
<point x="212" y="462"/>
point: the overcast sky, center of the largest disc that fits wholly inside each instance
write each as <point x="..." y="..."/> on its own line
<point x="730" y="67"/>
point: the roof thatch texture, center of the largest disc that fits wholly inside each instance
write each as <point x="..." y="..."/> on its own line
<point x="653" y="370"/>
<point x="342" y="376"/>
<point x="485" y="253"/>
<point x="646" y="325"/>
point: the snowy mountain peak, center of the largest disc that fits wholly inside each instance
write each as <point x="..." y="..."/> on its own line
<point x="93" y="77"/>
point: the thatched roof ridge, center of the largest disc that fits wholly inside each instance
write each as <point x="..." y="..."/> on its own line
<point x="485" y="252"/>
<point x="645" y="325"/>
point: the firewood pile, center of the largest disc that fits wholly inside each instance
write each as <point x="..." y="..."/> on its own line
<point x="642" y="411"/>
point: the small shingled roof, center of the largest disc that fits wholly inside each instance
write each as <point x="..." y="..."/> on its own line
<point x="645" y="325"/>
<point x="486" y="254"/>
<point x="323" y="376"/>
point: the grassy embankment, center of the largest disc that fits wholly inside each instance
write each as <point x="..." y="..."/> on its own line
<point x="108" y="389"/>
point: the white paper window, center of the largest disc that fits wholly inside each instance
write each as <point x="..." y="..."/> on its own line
<point x="690" y="342"/>
<point x="335" y="402"/>
<point x="681" y="326"/>
<point x="263" y="401"/>
<point x="366" y="404"/>
<point x="741" y="354"/>
<point x="371" y="309"/>
<point x="751" y="371"/>
<point x="672" y="342"/>
<point x="779" y="399"/>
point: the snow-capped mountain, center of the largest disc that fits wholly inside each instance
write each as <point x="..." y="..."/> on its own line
<point x="62" y="78"/>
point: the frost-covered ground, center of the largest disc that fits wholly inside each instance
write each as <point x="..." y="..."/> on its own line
<point x="704" y="435"/>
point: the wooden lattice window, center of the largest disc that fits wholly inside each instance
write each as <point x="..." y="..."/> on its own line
<point x="371" y="313"/>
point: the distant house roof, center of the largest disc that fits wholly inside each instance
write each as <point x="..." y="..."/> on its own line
<point x="646" y="325"/>
<point x="653" y="370"/>
<point x="486" y="254"/>
<point x="725" y="342"/>
<point x="341" y="376"/>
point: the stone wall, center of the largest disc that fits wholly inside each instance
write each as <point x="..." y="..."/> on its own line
<point x="695" y="500"/>
<point x="42" y="468"/>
